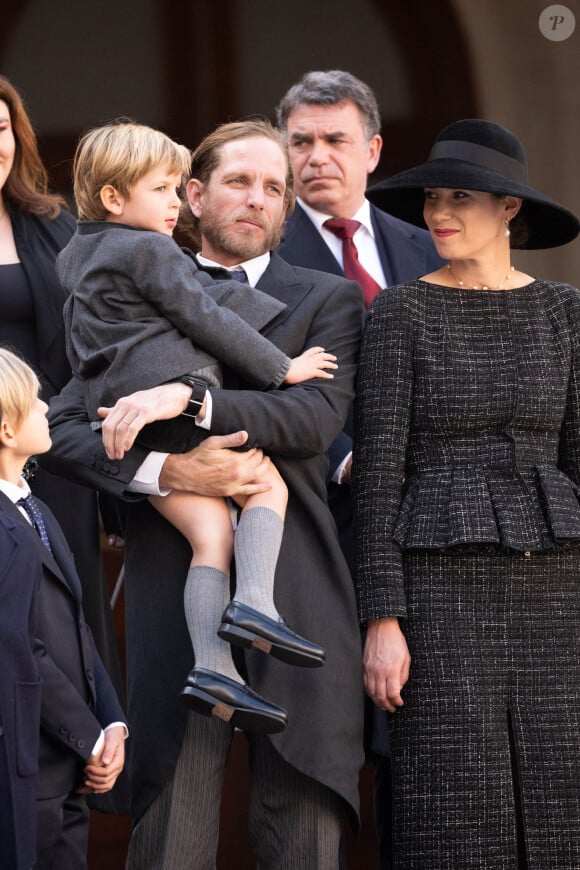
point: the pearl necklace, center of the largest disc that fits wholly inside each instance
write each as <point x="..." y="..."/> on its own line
<point x="500" y="286"/>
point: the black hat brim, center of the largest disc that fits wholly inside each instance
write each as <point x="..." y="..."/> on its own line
<point x="549" y="224"/>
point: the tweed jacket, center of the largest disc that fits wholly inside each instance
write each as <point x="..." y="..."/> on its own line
<point x="467" y="427"/>
<point x="136" y="302"/>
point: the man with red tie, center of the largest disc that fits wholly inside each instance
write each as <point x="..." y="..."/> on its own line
<point x="332" y="123"/>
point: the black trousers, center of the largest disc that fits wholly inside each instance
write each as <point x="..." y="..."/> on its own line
<point x="62" y="832"/>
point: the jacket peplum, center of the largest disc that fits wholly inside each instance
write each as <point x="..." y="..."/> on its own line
<point x="478" y="421"/>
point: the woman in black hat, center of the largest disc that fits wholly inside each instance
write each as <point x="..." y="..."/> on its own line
<point x="466" y="472"/>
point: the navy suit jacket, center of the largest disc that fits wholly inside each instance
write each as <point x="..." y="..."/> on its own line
<point x="405" y="252"/>
<point x="77" y="697"/>
<point x="20" y="693"/>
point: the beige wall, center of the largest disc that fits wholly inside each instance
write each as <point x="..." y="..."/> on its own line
<point x="532" y="85"/>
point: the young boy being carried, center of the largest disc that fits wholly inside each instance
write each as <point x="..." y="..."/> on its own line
<point x="140" y="313"/>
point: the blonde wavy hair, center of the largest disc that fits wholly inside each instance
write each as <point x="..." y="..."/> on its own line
<point x="120" y="154"/>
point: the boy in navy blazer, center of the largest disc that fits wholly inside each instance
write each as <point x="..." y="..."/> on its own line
<point x="67" y="737"/>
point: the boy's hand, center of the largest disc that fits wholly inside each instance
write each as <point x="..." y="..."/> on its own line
<point x="101" y="771"/>
<point x="313" y="363"/>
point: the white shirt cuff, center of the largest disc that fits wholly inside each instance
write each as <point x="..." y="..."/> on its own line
<point x="97" y="748"/>
<point x="336" y="477"/>
<point x="206" y="422"/>
<point x="146" y="480"/>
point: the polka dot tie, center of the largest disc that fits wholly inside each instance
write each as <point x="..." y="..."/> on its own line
<point x="31" y="507"/>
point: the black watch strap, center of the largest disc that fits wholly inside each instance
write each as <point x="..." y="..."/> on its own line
<point x="198" y="391"/>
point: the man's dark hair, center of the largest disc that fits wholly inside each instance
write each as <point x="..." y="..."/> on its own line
<point x="317" y="88"/>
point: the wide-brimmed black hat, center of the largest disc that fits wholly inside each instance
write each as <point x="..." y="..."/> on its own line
<point x="478" y="155"/>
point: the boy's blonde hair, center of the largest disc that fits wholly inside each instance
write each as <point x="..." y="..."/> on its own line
<point x="120" y="154"/>
<point x="19" y="387"/>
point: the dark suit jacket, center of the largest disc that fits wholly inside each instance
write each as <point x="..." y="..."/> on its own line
<point x="38" y="241"/>
<point x="314" y="591"/>
<point x="20" y="689"/>
<point x="405" y="252"/>
<point x="78" y="697"/>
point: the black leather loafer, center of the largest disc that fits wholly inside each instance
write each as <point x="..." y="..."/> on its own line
<point x="214" y="694"/>
<point x="244" y="626"/>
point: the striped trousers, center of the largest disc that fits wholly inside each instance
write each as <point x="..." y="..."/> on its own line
<point x="295" y="821"/>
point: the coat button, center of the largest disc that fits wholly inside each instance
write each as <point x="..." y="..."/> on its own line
<point x="81" y="744"/>
<point x="527" y="554"/>
<point x="63" y="730"/>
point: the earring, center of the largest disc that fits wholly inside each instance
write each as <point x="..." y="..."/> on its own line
<point x="507" y="229"/>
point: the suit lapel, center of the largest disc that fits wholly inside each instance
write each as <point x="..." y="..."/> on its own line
<point x="303" y="245"/>
<point x="400" y="252"/>
<point x="48" y="559"/>
<point x="280" y="281"/>
<point x="402" y="256"/>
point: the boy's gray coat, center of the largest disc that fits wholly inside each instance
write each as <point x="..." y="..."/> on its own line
<point x="136" y="302"/>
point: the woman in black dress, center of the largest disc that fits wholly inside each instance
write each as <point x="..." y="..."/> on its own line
<point x="34" y="227"/>
<point x="466" y="471"/>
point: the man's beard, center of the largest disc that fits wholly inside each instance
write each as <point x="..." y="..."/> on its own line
<point x="236" y="242"/>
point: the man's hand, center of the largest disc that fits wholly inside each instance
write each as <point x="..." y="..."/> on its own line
<point x="124" y="421"/>
<point x="214" y="469"/>
<point x="101" y="771"/>
<point x="386" y="663"/>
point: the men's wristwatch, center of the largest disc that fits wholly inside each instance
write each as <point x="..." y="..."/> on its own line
<point x="198" y="391"/>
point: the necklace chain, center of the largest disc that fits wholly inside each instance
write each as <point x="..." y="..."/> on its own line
<point x="500" y="286"/>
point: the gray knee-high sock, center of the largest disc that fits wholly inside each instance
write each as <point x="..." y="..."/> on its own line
<point x="256" y="547"/>
<point x="206" y="595"/>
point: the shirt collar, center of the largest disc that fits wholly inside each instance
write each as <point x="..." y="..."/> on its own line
<point x="15" y="491"/>
<point x="253" y="268"/>
<point x="363" y="216"/>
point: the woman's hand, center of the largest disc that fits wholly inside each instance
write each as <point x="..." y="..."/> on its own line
<point x="386" y="663"/>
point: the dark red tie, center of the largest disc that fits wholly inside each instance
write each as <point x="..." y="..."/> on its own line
<point x="345" y="230"/>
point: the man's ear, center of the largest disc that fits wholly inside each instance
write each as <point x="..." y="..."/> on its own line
<point x="194" y="190"/>
<point x="375" y="147"/>
<point x="112" y="200"/>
